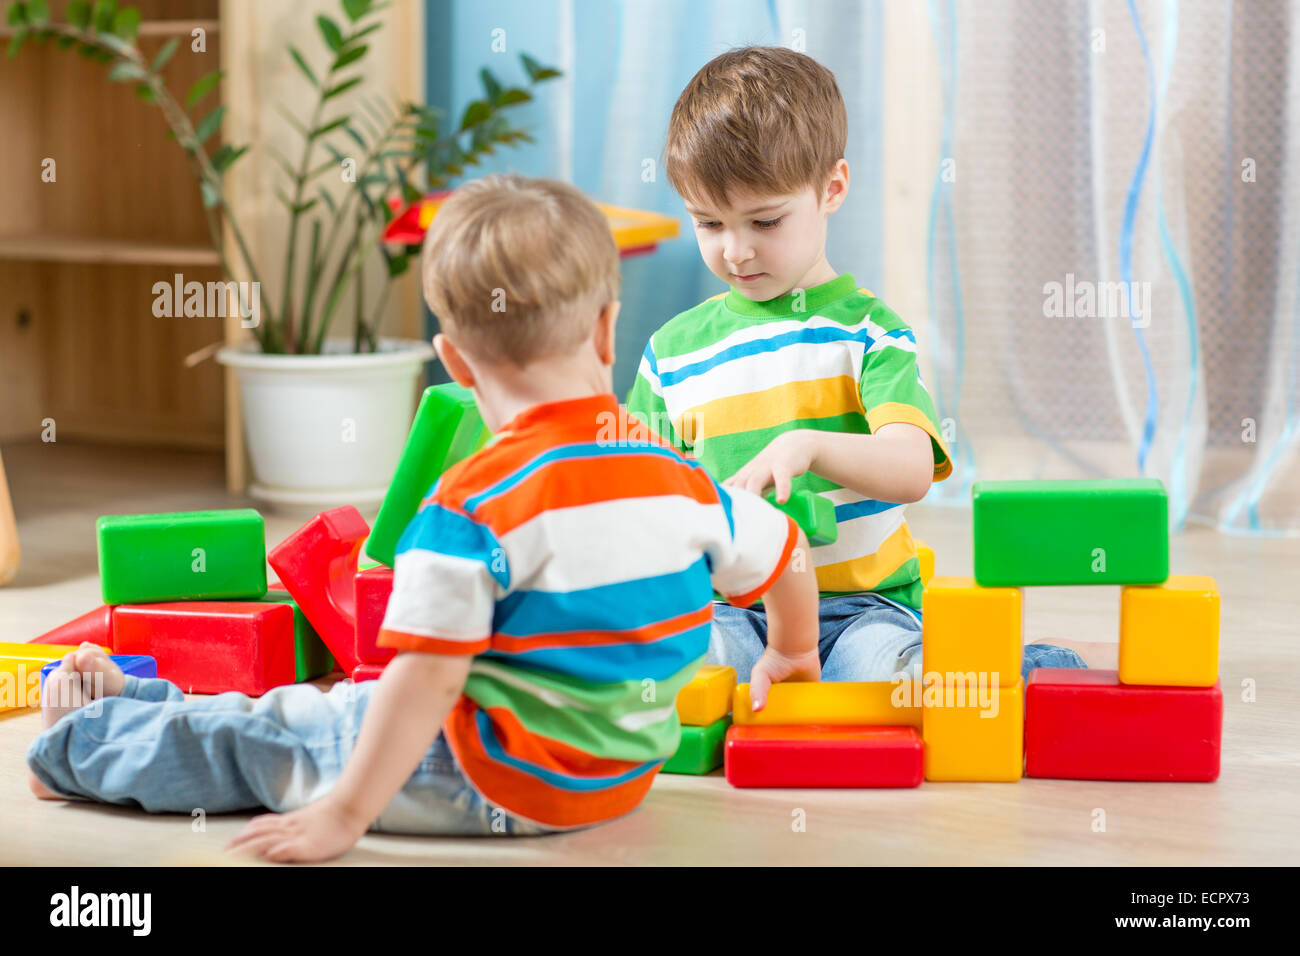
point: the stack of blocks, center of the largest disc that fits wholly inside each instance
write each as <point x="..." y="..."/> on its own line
<point x="704" y="709"/>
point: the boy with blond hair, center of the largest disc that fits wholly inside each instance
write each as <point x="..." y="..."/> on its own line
<point x="796" y="379"/>
<point x="550" y="598"/>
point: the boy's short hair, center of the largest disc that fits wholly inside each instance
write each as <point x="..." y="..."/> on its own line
<point x="517" y="269"/>
<point x="764" y="119"/>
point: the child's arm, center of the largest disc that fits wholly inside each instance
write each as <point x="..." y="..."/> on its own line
<point x="414" y="695"/>
<point x="895" y="464"/>
<point x="793" y="608"/>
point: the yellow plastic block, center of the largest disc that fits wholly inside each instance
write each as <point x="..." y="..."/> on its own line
<point x="925" y="555"/>
<point x="966" y="628"/>
<point x="974" y="736"/>
<point x="864" y="703"/>
<point x="20" y="672"/>
<point x="707" y="698"/>
<point x="1169" y="633"/>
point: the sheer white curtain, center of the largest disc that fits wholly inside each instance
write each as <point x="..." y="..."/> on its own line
<point x="1073" y="147"/>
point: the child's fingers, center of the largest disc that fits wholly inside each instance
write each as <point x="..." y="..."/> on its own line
<point x="782" y="481"/>
<point x="759" y="684"/>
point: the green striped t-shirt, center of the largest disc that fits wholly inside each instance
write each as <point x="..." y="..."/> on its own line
<point x="723" y="379"/>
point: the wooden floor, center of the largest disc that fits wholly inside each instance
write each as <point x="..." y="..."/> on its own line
<point x="1250" y="816"/>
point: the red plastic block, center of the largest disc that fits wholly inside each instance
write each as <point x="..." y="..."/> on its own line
<point x="95" y="626"/>
<point x="373" y="587"/>
<point x="317" y="565"/>
<point x="367" y="672"/>
<point x="1086" y="725"/>
<point x="210" y="647"/>
<point x="823" y="756"/>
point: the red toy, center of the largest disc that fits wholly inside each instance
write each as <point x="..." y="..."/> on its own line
<point x="823" y="756"/>
<point x="317" y="565"/>
<point x="95" y="626"/>
<point x="373" y="587"/>
<point x="367" y="672"/>
<point x="209" y="647"/>
<point x="1086" y="725"/>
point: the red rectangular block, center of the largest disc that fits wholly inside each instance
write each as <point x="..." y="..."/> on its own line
<point x="367" y="672"/>
<point x="823" y="756"/>
<point x="1086" y="725"/>
<point x="95" y="626"/>
<point x="317" y="565"/>
<point x="210" y="647"/>
<point x="373" y="588"/>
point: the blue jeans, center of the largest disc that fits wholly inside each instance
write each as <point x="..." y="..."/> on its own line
<point x="864" y="637"/>
<point x="153" y="748"/>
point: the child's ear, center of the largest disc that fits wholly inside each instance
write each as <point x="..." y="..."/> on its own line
<point x="453" y="361"/>
<point x="604" y="333"/>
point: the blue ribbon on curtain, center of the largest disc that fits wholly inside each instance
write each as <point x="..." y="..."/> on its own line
<point x="1126" y="241"/>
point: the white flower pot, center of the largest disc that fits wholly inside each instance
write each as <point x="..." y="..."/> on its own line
<point x="326" y="430"/>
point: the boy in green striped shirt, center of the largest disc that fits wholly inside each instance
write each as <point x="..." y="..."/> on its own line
<point x="797" y="378"/>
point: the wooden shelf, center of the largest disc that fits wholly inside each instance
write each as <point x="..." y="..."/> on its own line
<point x="51" y="248"/>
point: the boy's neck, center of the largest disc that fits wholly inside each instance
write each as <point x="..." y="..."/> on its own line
<point x="510" y="389"/>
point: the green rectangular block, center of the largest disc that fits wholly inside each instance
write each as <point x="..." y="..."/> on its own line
<point x="185" y="556"/>
<point x="1113" y="531"/>
<point x="814" y="514"/>
<point x="701" y="749"/>
<point x="311" y="657"/>
<point x="447" y="429"/>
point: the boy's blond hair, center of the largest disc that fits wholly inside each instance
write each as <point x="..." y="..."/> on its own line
<point x="517" y="269"/>
<point x="762" y="119"/>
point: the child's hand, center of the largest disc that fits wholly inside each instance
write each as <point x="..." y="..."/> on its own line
<point x="318" y="831"/>
<point x="774" y="667"/>
<point x="786" y="456"/>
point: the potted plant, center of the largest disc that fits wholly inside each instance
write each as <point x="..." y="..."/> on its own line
<point x="325" y="418"/>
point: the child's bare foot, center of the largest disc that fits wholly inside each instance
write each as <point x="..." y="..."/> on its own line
<point x="1098" y="655"/>
<point x="42" y="792"/>
<point x="77" y="681"/>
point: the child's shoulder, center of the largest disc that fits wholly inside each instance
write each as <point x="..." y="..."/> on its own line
<point x="687" y="328"/>
<point x="874" y="308"/>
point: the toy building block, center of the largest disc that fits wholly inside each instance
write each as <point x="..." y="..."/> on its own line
<point x="139" y="665"/>
<point x="311" y="658"/>
<point x="186" y="556"/>
<point x="966" y="628"/>
<point x="700" y="751"/>
<point x="95" y="626"/>
<point x="373" y="588"/>
<point x="209" y="647"/>
<point x="20" y="668"/>
<point x="707" y="698"/>
<point x="1169" y="635"/>
<point x="447" y="429"/>
<point x="973" y="733"/>
<point x="811" y="756"/>
<point x="925" y="558"/>
<point x="317" y="564"/>
<point x="365" y="671"/>
<point x="1070" y="532"/>
<point x="847" y="703"/>
<point x="1086" y="725"/>
<point x="814" y="514"/>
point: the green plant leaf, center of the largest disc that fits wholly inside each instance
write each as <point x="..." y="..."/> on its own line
<point x="356" y="9"/>
<point x="102" y="15"/>
<point x="397" y="263"/>
<point x="16" y="42"/>
<point x="64" y="43"/>
<point x="204" y="85"/>
<point x="365" y="32"/>
<point x="330" y="31"/>
<point x="283" y="163"/>
<point x="125" y="71"/>
<point x="350" y="55"/>
<point x="302" y="65"/>
<point x="530" y="65"/>
<point x="211" y="194"/>
<point x="328" y="127"/>
<point x="164" y="54"/>
<point x="127" y="23"/>
<point x="475" y="113"/>
<point x="146" y="93"/>
<point x="116" y="44"/>
<point x="209" y="124"/>
<point x="490" y="85"/>
<point x="226" y="156"/>
<point x="16" y="15"/>
<point x="356" y="137"/>
<point x="38" y="12"/>
<point x="329" y="201"/>
<point x="514" y="95"/>
<point x="78" y="13"/>
<point x="292" y="121"/>
<point x="343" y="87"/>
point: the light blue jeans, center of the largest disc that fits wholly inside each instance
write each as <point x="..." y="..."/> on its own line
<point x="864" y="637"/>
<point x="153" y="748"/>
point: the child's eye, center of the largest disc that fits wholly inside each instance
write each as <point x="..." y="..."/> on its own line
<point x="768" y="223"/>
<point x="705" y="225"/>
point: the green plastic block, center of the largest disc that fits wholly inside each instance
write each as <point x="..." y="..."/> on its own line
<point x="447" y="429"/>
<point x="814" y="514"/>
<point x="186" y="556"/>
<point x="311" y="657"/>
<point x="700" y="751"/>
<point x="1070" y="532"/>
